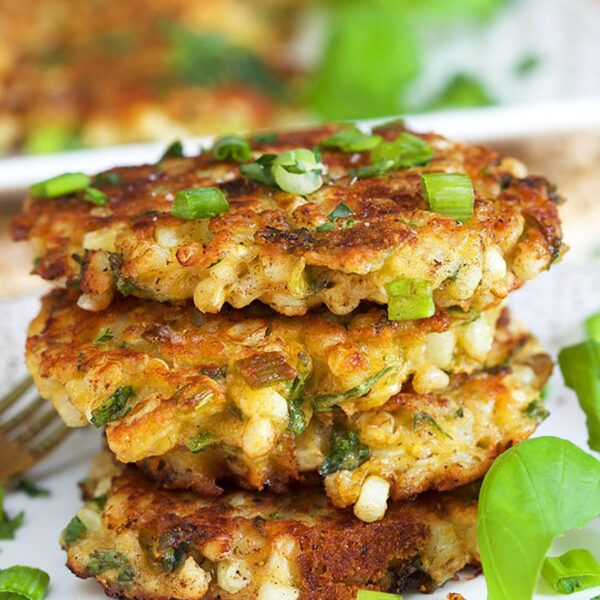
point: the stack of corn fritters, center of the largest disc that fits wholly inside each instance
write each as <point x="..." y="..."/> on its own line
<point x="272" y="431"/>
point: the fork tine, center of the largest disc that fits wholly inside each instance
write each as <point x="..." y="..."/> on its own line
<point x="9" y="399"/>
<point x="53" y="439"/>
<point x="36" y="427"/>
<point x="22" y="415"/>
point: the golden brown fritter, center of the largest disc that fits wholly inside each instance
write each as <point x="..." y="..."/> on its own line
<point x="271" y="245"/>
<point x="108" y="72"/>
<point x="149" y="544"/>
<point x="264" y="399"/>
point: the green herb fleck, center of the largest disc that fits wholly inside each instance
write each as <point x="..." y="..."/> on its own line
<point x="345" y="452"/>
<point x="74" y="531"/>
<point x="232" y="146"/>
<point x="103" y="338"/>
<point x="260" y="170"/>
<point x="201" y="442"/>
<point x="110" y="178"/>
<point x="422" y="417"/>
<point x="114" y="408"/>
<point x="173" y="150"/>
<point x="8" y="525"/>
<point x="32" y="490"/>
<point x="100" y="561"/>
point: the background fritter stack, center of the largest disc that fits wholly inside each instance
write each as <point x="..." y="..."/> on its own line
<point x="342" y="335"/>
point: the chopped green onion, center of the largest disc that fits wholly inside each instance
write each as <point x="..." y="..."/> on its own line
<point x="346" y="453"/>
<point x="327" y="401"/>
<point x="232" y="146"/>
<point x="449" y="194"/>
<point x="580" y="367"/>
<point x="199" y="203"/>
<point x="61" y="185"/>
<point x="296" y="419"/>
<point x="103" y="338"/>
<point x="351" y="140"/>
<point x="174" y="150"/>
<point x="297" y="172"/>
<point x="200" y="442"/>
<point x="260" y="170"/>
<point x="410" y="299"/>
<point x="105" y="560"/>
<point x="592" y="326"/>
<point x="95" y="196"/>
<point x="406" y="151"/>
<point x="32" y="490"/>
<point x="114" y="408"/>
<point x="265" y="369"/>
<point x="341" y="211"/>
<point x="573" y="571"/>
<point x="325" y="227"/>
<point x="371" y="595"/>
<point x="75" y="530"/>
<point x="110" y="178"/>
<point x="8" y="526"/>
<point x="536" y="410"/>
<point x="20" y="582"/>
<point x="424" y="417"/>
<point x="265" y="138"/>
<point x="375" y="170"/>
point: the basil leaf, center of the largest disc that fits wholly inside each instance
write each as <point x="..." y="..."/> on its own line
<point x="537" y="490"/>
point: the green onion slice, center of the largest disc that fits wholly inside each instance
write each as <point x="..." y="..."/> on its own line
<point x="199" y="203"/>
<point x="377" y="169"/>
<point x="114" y="408"/>
<point x="406" y="151"/>
<point x="327" y="401"/>
<point x="173" y="150"/>
<point x="200" y="442"/>
<point x="110" y="178"/>
<point x="24" y="582"/>
<point x="268" y="137"/>
<point x="297" y="172"/>
<point x="410" y="299"/>
<point x="260" y="170"/>
<point x="67" y="183"/>
<point x="449" y="194"/>
<point x="580" y="367"/>
<point x="232" y="146"/>
<point x="573" y="571"/>
<point x="592" y="326"/>
<point x="325" y="227"/>
<point x="95" y="196"/>
<point x="351" y="140"/>
<point x="8" y="525"/>
<point x="296" y="418"/>
<point x="371" y="595"/>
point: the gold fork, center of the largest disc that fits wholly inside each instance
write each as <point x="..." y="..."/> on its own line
<point x="29" y="434"/>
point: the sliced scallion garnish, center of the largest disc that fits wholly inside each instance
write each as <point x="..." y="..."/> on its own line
<point x="297" y="172"/>
<point x="406" y="150"/>
<point x="20" y="582"/>
<point x="573" y="571"/>
<point x="95" y="196"/>
<point x="410" y="299"/>
<point x="377" y="169"/>
<point x="8" y="525"/>
<point x="110" y="178"/>
<point x="449" y="194"/>
<point x="61" y="185"/>
<point x="267" y="137"/>
<point x="199" y="203"/>
<point x="200" y="442"/>
<point x="351" y="140"/>
<point x="232" y="146"/>
<point x="114" y="408"/>
<point x="173" y="150"/>
<point x="260" y="170"/>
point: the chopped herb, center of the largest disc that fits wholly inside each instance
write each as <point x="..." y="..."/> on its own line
<point x="406" y="151"/>
<point x="461" y="91"/>
<point x="536" y="410"/>
<point x="199" y="203"/>
<point x="341" y="211"/>
<point x="265" y="138"/>
<point x="61" y="185"/>
<point x="325" y="227"/>
<point x="32" y="490"/>
<point x="232" y="146"/>
<point x="173" y="150"/>
<point x="410" y="299"/>
<point x="375" y="170"/>
<point x="23" y="583"/>
<point x="422" y="417"/>
<point x="327" y="401"/>
<point x="171" y="548"/>
<point x="200" y="442"/>
<point x="100" y="561"/>
<point x="371" y="595"/>
<point x="528" y="64"/>
<point x="114" y="408"/>
<point x="100" y="501"/>
<point x="296" y="418"/>
<point x="110" y="178"/>
<point x="8" y="526"/>
<point x="345" y="452"/>
<point x="260" y="170"/>
<point x="449" y="194"/>
<point x="351" y="140"/>
<point x="103" y="338"/>
<point x="459" y="412"/>
<point x="297" y="172"/>
<point x="95" y="196"/>
<point x="265" y="369"/>
<point x="573" y="571"/>
<point x="74" y="531"/>
<point x="455" y="274"/>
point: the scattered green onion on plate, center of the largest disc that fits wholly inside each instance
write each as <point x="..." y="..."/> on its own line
<point x="60" y="185"/>
<point x="199" y="203"/>
<point x="23" y="582"/>
<point x="297" y="172"/>
<point x="571" y="572"/>
<point x="232" y="146"/>
<point x="449" y="194"/>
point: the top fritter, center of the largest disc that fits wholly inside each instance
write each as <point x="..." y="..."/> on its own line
<point x="398" y="219"/>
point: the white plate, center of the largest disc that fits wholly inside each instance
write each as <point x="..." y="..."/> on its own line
<point x="553" y="306"/>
